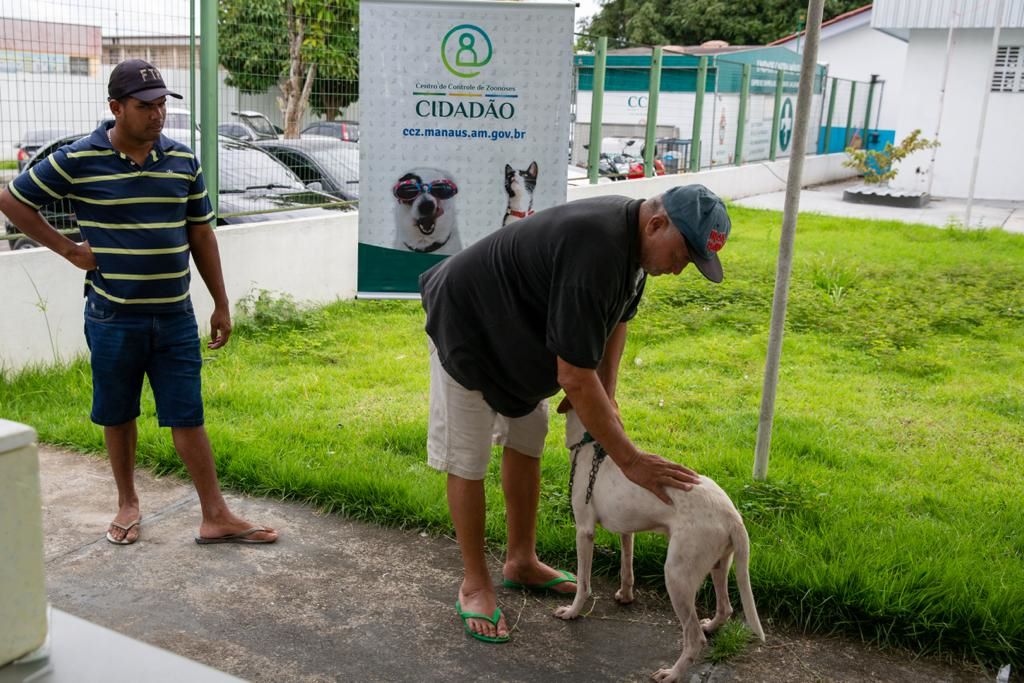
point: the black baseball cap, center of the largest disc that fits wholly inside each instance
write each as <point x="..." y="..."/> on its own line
<point x="700" y="216"/>
<point x="139" y="79"/>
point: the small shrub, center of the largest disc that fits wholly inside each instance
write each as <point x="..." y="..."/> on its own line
<point x="262" y="311"/>
<point x="880" y="166"/>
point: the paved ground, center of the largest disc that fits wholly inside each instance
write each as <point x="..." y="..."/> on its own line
<point x="828" y="200"/>
<point x="336" y="600"/>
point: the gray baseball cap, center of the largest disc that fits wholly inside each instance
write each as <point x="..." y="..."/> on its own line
<point x="700" y="216"/>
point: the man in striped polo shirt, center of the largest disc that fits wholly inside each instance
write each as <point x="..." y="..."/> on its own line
<point x="142" y="208"/>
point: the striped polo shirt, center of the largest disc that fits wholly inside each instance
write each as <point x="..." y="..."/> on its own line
<point x="135" y="217"/>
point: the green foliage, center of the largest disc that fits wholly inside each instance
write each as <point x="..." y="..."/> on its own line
<point x="728" y="641"/>
<point x="262" y="313"/>
<point x="891" y="509"/>
<point x="8" y="165"/>
<point x="880" y="166"/>
<point x="665" y="22"/>
<point x="254" y="41"/>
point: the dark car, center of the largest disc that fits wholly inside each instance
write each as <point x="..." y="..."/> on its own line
<point x="251" y="180"/>
<point x="32" y="140"/>
<point x="341" y="130"/>
<point x="331" y="163"/>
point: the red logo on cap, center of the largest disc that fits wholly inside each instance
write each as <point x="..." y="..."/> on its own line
<point x="716" y="240"/>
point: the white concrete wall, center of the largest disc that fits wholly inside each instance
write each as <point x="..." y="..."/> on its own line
<point x="312" y="260"/>
<point x="1001" y="168"/>
<point x="729" y="182"/>
<point x="857" y="54"/>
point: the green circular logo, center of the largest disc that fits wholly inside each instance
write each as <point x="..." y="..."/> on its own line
<point x="465" y="49"/>
<point x="786" y="124"/>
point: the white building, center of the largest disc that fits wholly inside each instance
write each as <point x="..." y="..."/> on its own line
<point x="983" y="41"/>
<point x="853" y="50"/>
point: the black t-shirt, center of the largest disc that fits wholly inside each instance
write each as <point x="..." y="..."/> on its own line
<point x="554" y="284"/>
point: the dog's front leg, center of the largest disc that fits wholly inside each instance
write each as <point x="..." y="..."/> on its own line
<point x="584" y="559"/>
<point x="625" y="593"/>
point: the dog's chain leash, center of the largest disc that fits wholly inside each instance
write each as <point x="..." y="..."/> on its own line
<point x="599" y="455"/>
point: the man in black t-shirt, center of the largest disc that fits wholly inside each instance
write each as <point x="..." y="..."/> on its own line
<point x="539" y="305"/>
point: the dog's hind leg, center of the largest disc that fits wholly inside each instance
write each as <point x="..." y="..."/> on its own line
<point x="723" y="608"/>
<point x="584" y="559"/>
<point x="683" y="576"/>
<point x="625" y="593"/>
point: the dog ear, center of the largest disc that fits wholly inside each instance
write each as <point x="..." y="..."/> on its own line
<point x="532" y="170"/>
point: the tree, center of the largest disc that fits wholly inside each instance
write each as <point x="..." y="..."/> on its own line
<point x="317" y="64"/>
<point x="879" y="167"/>
<point x="668" y="22"/>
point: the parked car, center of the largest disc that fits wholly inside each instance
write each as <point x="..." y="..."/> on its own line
<point x="331" y="163"/>
<point x="31" y="140"/>
<point x="577" y="177"/>
<point x="258" y="125"/>
<point x="251" y="180"/>
<point x="342" y="130"/>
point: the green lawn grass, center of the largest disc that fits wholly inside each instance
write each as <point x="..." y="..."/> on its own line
<point x="892" y="508"/>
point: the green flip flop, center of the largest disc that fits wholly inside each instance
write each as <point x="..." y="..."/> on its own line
<point x="474" y="615"/>
<point x="566" y="577"/>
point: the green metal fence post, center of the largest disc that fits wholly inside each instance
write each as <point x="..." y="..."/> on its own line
<point x="596" y="110"/>
<point x="192" y="72"/>
<point x="779" y="76"/>
<point x="741" y="118"/>
<point x="208" y="63"/>
<point x="831" y="111"/>
<point x="651" y="138"/>
<point x="867" y="114"/>
<point x="849" y="114"/>
<point x="698" y="114"/>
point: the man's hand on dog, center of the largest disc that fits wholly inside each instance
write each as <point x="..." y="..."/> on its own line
<point x="654" y="473"/>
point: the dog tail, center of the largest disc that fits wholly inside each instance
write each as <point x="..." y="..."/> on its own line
<point x="741" y="545"/>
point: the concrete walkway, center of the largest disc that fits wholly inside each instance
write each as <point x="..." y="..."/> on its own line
<point x="828" y="200"/>
<point x="336" y="600"/>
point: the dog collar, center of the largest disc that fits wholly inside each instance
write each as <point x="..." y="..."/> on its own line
<point x="520" y="214"/>
<point x="429" y="248"/>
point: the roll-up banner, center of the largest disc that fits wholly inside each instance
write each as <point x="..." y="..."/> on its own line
<point x="464" y="127"/>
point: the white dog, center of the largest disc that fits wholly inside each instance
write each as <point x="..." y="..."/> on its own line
<point x="704" y="531"/>
<point x="425" y="212"/>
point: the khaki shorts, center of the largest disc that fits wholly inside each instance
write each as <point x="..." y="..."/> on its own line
<point x="463" y="427"/>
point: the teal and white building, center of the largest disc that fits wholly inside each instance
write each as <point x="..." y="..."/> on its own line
<point x="962" y="83"/>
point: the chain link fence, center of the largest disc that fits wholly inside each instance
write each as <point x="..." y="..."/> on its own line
<point x="288" y="112"/>
<point x="696" y="130"/>
<point x="287" y="116"/>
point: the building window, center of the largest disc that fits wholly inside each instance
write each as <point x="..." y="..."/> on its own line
<point x="1008" y="75"/>
<point x="78" y="66"/>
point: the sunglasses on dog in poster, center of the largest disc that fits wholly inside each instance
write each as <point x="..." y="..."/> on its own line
<point x="409" y="190"/>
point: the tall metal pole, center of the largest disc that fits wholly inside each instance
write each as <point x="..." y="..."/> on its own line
<point x="698" y="114"/>
<point x="779" y="76"/>
<point x="596" y="110"/>
<point x="653" y="88"/>
<point x="785" y="265"/>
<point x="208" y="63"/>
<point x="192" y="71"/>
<point x="741" y="117"/>
<point x="831" y="111"/>
<point x="942" y="93"/>
<point x="984" y="112"/>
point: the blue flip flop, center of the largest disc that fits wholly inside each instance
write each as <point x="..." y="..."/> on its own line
<point x="494" y="619"/>
<point x="547" y="587"/>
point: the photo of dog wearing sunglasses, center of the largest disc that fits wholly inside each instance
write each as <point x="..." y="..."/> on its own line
<point x="425" y="212"/>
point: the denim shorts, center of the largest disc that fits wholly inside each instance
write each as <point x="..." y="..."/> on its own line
<point x="125" y="346"/>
